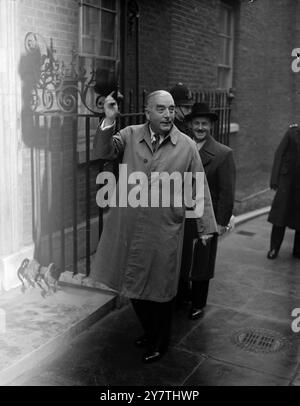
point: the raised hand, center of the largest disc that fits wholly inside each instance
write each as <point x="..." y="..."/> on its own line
<point x="111" y="109"/>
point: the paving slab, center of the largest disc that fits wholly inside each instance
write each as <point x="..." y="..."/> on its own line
<point x="216" y="373"/>
<point x="213" y="337"/>
<point x="35" y="326"/>
<point x="109" y="357"/>
<point x="248" y="291"/>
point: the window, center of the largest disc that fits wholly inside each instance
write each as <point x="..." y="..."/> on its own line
<point x="99" y="43"/>
<point x="99" y="29"/>
<point x="226" y="40"/>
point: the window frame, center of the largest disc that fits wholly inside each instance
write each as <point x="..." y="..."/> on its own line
<point x="81" y="146"/>
<point x="231" y="39"/>
<point x="116" y="56"/>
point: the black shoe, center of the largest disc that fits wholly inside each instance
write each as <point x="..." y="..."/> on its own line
<point x="153" y="356"/>
<point x="272" y="254"/>
<point x="196" y="313"/>
<point x="141" y="341"/>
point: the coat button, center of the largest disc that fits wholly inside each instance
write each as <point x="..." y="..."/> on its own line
<point x="145" y="161"/>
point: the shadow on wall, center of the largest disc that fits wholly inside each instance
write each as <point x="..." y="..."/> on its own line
<point x="49" y="132"/>
<point x="38" y="154"/>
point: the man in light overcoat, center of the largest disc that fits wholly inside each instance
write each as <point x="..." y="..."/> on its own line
<point x="139" y="251"/>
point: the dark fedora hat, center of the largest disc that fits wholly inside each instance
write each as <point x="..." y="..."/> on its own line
<point x="201" y="110"/>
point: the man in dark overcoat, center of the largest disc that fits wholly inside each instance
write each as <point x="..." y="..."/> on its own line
<point x="198" y="260"/>
<point x="285" y="180"/>
<point x="139" y="252"/>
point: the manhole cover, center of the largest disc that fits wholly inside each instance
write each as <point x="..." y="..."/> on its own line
<point x="259" y="340"/>
<point x="244" y="232"/>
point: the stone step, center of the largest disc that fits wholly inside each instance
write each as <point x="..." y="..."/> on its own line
<point x="33" y="327"/>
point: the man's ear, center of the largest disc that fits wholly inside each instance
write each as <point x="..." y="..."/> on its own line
<point x="147" y="115"/>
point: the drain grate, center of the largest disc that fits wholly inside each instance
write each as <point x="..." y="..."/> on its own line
<point x="244" y="232"/>
<point x="259" y="340"/>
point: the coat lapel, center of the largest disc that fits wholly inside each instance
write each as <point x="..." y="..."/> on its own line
<point x="207" y="152"/>
<point x="144" y="135"/>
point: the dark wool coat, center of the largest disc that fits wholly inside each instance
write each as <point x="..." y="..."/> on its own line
<point x="285" y="178"/>
<point x="183" y="127"/>
<point x="220" y="171"/>
<point x="139" y="251"/>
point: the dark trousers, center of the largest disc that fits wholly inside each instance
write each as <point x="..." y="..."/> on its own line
<point x="196" y="291"/>
<point x="156" y="320"/>
<point x="277" y="236"/>
<point x="199" y="293"/>
<point x="195" y="258"/>
<point x="184" y="285"/>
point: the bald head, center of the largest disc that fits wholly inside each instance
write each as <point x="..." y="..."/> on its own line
<point x="151" y="98"/>
<point x="160" y="111"/>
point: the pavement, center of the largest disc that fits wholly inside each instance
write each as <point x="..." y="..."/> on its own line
<point x="244" y="339"/>
<point x="33" y="327"/>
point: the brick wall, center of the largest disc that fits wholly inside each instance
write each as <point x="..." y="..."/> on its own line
<point x="155" y="36"/>
<point x="56" y="19"/>
<point x="263" y="83"/>
<point x="194" y="43"/>
<point x="179" y="42"/>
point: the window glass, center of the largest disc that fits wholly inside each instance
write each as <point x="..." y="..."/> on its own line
<point x="228" y="52"/>
<point x="222" y="77"/>
<point x="225" y="58"/>
<point x="222" y="22"/>
<point x="88" y="45"/>
<point x="107" y="48"/>
<point x="229" y="22"/>
<point x="108" y="25"/>
<point x="110" y="4"/>
<point x="98" y="54"/>
<point x="99" y="28"/>
<point x="222" y="54"/>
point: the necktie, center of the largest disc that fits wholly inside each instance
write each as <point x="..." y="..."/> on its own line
<point x="155" y="142"/>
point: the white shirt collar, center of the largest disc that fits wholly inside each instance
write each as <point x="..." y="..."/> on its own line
<point x="152" y="135"/>
<point x="200" y="144"/>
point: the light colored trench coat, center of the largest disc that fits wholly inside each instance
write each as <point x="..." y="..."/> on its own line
<point x="139" y="253"/>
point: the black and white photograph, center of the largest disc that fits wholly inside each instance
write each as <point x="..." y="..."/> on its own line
<point x="149" y="196"/>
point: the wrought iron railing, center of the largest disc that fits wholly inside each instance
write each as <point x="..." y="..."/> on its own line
<point x="66" y="221"/>
<point x="56" y="86"/>
<point x="220" y="102"/>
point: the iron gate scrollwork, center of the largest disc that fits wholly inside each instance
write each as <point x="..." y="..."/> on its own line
<point x="56" y="91"/>
<point x="56" y="86"/>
